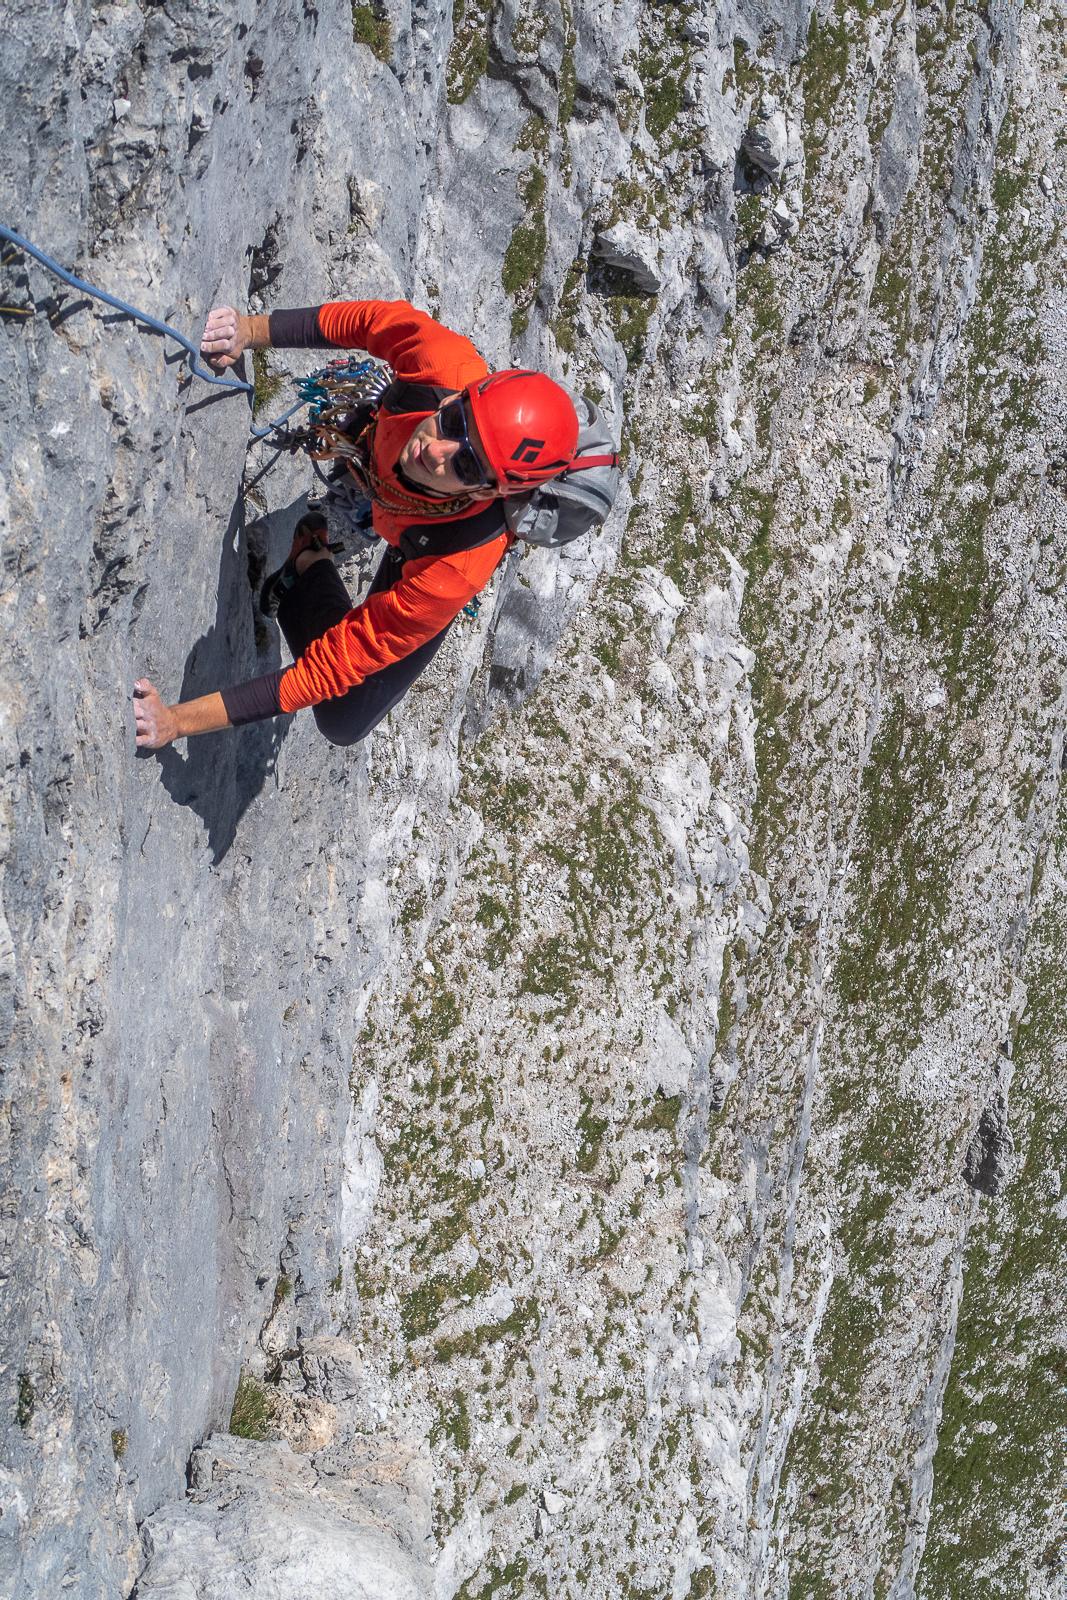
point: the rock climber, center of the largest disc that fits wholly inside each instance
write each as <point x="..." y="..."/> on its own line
<point x="439" y="457"/>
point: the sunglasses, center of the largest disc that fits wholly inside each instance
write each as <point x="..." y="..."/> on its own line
<point x="466" y="464"/>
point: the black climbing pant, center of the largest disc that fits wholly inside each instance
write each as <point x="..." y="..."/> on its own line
<point x="316" y="601"/>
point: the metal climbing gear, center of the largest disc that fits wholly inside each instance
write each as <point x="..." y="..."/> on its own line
<point x="342" y="399"/>
<point x="349" y="508"/>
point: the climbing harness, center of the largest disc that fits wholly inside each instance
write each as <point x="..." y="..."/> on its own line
<point x="342" y="400"/>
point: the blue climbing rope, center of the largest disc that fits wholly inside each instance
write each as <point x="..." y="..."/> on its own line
<point x="261" y="433"/>
<point x="131" y="311"/>
<point x="310" y="390"/>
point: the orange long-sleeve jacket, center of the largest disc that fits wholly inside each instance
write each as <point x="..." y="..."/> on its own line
<point x="431" y="590"/>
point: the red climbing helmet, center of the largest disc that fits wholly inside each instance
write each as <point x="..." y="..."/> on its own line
<point x="527" y="424"/>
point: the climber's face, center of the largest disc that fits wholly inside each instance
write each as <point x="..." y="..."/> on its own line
<point x="444" y="454"/>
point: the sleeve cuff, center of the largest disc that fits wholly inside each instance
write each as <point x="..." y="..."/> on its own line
<point x="297" y="330"/>
<point x="252" y="701"/>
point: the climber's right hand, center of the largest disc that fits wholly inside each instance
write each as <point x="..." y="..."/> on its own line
<point x="226" y="337"/>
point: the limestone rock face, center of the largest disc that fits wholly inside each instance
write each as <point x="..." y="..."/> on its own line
<point x="267" y="1522"/>
<point x="614" y="1118"/>
<point x="259" y="1520"/>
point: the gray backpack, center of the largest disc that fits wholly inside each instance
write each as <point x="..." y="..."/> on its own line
<point x="579" y="499"/>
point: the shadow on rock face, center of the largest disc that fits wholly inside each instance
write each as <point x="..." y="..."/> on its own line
<point x="221" y="773"/>
<point x="211" y="783"/>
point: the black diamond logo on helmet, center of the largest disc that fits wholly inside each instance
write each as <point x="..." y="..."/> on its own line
<point x="528" y="450"/>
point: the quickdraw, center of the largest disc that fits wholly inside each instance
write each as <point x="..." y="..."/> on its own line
<point x="342" y="398"/>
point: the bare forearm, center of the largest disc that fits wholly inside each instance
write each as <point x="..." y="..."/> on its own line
<point x="205" y="715"/>
<point x="256" y="331"/>
<point x="156" y="724"/>
<point x="227" y="335"/>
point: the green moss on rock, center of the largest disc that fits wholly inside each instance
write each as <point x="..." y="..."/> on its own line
<point x="468" y="58"/>
<point x="250" y="1417"/>
<point x="371" y="26"/>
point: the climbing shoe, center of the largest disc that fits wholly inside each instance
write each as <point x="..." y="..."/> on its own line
<point x="310" y="534"/>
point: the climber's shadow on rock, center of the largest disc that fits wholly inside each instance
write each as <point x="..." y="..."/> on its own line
<point x="221" y="773"/>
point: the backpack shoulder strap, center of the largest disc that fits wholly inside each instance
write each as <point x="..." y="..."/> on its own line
<point x="448" y="538"/>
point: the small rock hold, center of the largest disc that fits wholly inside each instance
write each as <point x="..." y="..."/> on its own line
<point x="783" y="217"/>
<point x="780" y="226"/>
<point x="1047" y="185"/>
<point x="366" y="203"/>
<point x="121" y="109"/>
<point x="552" y="1502"/>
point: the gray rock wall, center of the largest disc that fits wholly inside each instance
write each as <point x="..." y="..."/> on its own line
<point x="625" y="1097"/>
